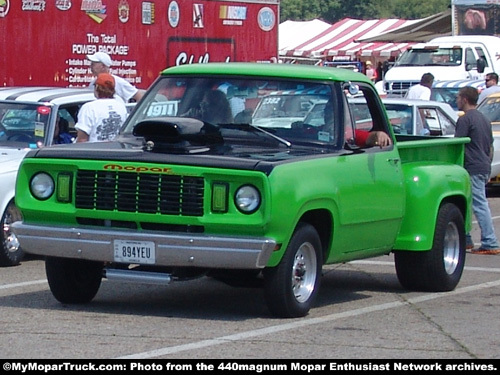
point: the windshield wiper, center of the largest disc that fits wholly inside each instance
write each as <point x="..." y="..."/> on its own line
<point x="250" y="127"/>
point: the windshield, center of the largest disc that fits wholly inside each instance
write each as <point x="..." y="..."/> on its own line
<point x="289" y="110"/>
<point x="490" y="107"/>
<point x="400" y="116"/>
<point x="23" y="125"/>
<point x="431" y="56"/>
<point x="446" y="95"/>
<point x="277" y="109"/>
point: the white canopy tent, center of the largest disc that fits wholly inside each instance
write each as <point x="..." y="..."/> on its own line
<point x="342" y="39"/>
<point x="292" y="33"/>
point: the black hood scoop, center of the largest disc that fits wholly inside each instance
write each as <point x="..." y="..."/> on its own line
<point x="178" y="135"/>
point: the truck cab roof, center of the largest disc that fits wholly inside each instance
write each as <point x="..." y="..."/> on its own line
<point x="268" y="70"/>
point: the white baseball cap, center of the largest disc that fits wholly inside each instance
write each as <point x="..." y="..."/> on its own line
<point x="101" y="57"/>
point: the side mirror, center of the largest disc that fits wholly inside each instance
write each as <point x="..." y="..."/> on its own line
<point x="352" y="88"/>
<point x="481" y="65"/>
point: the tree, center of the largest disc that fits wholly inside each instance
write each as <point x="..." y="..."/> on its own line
<point x="360" y="9"/>
<point x="411" y="9"/>
<point x="300" y="10"/>
<point x="333" y="10"/>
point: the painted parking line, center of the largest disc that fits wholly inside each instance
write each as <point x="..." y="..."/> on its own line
<point x="304" y="323"/>
<point x="23" y="284"/>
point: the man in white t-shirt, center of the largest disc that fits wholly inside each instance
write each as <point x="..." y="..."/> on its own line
<point x="422" y="90"/>
<point x="491" y="86"/>
<point x="100" y="62"/>
<point x="101" y="119"/>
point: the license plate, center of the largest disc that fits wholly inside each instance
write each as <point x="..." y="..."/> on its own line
<point x="141" y="252"/>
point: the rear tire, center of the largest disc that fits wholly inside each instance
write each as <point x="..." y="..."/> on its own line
<point x="11" y="252"/>
<point x="291" y="287"/>
<point x="73" y="280"/>
<point x="440" y="269"/>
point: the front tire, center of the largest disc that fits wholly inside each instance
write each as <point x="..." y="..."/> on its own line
<point x="291" y="287"/>
<point x="11" y="252"/>
<point x="440" y="269"/>
<point x="73" y="280"/>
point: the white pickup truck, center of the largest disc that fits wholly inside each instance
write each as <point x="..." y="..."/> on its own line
<point x="447" y="58"/>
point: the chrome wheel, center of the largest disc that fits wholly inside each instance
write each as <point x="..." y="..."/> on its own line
<point x="11" y="243"/>
<point x="451" y="249"/>
<point x="10" y="252"/>
<point x="304" y="272"/>
<point x="291" y="287"/>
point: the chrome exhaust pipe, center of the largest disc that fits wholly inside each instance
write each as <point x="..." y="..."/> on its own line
<point x="142" y="277"/>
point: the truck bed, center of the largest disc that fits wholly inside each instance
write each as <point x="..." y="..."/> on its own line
<point x="438" y="149"/>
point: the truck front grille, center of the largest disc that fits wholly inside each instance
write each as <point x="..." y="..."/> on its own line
<point x="140" y="192"/>
<point x="399" y="88"/>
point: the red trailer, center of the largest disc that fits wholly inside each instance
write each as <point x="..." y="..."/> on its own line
<point x="45" y="42"/>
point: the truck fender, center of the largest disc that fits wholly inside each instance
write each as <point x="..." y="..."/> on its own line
<point x="428" y="186"/>
<point x="321" y="214"/>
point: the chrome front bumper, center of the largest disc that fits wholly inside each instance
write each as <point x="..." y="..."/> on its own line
<point x="176" y="250"/>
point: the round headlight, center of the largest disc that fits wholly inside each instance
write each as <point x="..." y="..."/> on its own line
<point x="42" y="186"/>
<point x="247" y="199"/>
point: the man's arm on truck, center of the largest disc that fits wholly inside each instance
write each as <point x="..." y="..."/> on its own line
<point x="374" y="138"/>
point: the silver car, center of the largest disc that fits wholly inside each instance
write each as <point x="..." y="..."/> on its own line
<point x="490" y="107"/>
<point x="411" y="117"/>
<point x="30" y="118"/>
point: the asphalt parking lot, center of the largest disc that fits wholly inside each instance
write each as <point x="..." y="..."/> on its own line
<point x="362" y="312"/>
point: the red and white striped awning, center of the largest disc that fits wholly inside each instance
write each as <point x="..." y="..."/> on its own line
<point x="341" y="39"/>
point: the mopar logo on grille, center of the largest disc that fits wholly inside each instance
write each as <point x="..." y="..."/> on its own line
<point x="132" y="168"/>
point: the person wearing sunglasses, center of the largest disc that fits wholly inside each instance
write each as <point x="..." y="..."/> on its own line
<point x="491" y="81"/>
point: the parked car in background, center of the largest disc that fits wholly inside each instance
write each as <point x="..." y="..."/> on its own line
<point x="490" y="107"/>
<point x="280" y="109"/>
<point x="411" y="117"/>
<point x="29" y="119"/>
<point x="316" y="115"/>
<point x="447" y="91"/>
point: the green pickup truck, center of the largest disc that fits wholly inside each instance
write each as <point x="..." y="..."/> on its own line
<point x="252" y="174"/>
